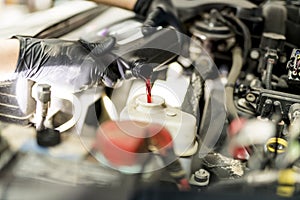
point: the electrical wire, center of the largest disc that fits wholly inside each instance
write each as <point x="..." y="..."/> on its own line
<point x="245" y="31"/>
<point x="246" y="35"/>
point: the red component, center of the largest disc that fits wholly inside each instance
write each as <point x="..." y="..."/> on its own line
<point x="184" y="185"/>
<point x="126" y="143"/>
<point x="234" y="128"/>
<point x="148" y="90"/>
<point x="162" y="140"/>
<point x="241" y="153"/>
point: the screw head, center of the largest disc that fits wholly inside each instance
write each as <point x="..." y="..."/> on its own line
<point x="201" y="175"/>
<point x="254" y="54"/>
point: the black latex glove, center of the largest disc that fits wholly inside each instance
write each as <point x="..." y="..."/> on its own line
<point x="157" y="13"/>
<point x="72" y="65"/>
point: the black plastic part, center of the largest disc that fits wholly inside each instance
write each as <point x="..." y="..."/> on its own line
<point x="285" y="99"/>
<point x="293" y="13"/>
<point x="253" y="18"/>
<point x="267" y="108"/>
<point x="48" y="137"/>
<point x="275" y="16"/>
<point x="272" y="41"/>
<point x="201" y="180"/>
<point x="192" y="8"/>
<point x="293" y="25"/>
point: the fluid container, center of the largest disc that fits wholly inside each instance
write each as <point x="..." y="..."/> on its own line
<point x="181" y="125"/>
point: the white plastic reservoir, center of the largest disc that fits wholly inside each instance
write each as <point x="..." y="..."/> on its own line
<point x="181" y="125"/>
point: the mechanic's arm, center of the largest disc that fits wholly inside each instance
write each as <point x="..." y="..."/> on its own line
<point x="9" y="53"/>
<point x="8" y="58"/>
<point x="71" y="65"/>
<point x="57" y="61"/>
<point x="126" y="4"/>
<point x="157" y="12"/>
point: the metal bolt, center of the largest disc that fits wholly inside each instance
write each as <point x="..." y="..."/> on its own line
<point x="201" y="176"/>
<point x="254" y="54"/>
<point x="250" y="97"/>
<point x="43" y="93"/>
<point x="43" y="88"/>
<point x="282" y="59"/>
<point x="42" y="104"/>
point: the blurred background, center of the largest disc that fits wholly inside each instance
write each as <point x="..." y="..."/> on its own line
<point x="12" y="11"/>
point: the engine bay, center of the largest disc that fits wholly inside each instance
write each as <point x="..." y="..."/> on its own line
<point x="217" y="104"/>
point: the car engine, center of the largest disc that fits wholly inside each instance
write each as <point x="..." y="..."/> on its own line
<point x="217" y="104"/>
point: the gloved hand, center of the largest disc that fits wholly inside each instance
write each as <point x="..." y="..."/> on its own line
<point x="72" y="65"/>
<point x="157" y="13"/>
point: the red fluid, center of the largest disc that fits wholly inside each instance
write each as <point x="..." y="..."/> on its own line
<point x="148" y="90"/>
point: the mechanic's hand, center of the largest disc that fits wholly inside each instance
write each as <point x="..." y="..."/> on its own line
<point x="72" y="65"/>
<point x="157" y="13"/>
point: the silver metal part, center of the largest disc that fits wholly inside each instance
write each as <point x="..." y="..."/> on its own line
<point x="254" y="54"/>
<point x="42" y="105"/>
<point x="200" y="178"/>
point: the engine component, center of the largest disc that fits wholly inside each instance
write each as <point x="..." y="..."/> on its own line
<point x="43" y="102"/>
<point x="292" y="22"/>
<point x="200" y="178"/>
<point x="230" y="39"/>
<point x="272" y="41"/>
<point x="46" y="136"/>
<point x="237" y="64"/>
<point x="211" y="29"/>
<point x="180" y="124"/>
<point x="277" y="145"/>
<point x="253" y="132"/>
<point x="212" y="34"/>
<point x="287" y="180"/>
<point x="293" y="67"/>
<point x="271" y="44"/>
<point x="294" y="112"/>
<point x="275" y="15"/>
<point x="264" y="97"/>
<point x="16" y="110"/>
<point x="142" y="140"/>
<point x="223" y="167"/>
<point x="293" y="146"/>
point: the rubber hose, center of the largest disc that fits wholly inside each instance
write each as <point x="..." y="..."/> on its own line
<point x="237" y="64"/>
<point x="246" y="34"/>
<point x="245" y="30"/>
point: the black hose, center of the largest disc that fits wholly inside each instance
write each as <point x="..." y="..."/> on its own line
<point x="246" y="35"/>
<point x="245" y="31"/>
<point x="268" y="80"/>
<point x="237" y="64"/>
